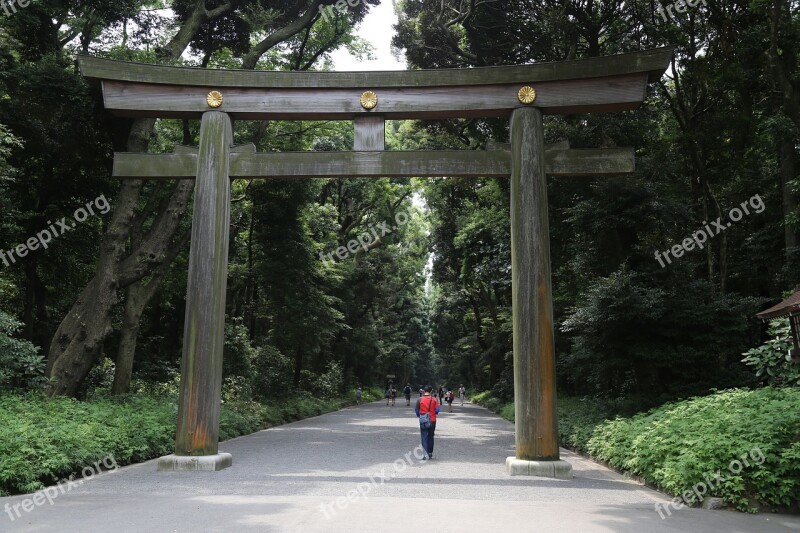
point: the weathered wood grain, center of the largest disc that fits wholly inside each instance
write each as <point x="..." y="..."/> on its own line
<point x="463" y="163"/>
<point x="615" y="93"/>
<point x="371" y="164"/>
<point x="652" y="62"/>
<point x="589" y="162"/>
<point x="204" y="329"/>
<point x="181" y="165"/>
<point x="534" y="350"/>
<point x="369" y="134"/>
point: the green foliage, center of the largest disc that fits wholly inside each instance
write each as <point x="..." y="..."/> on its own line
<point x="630" y="337"/>
<point x="273" y="373"/>
<point x="238" y="352"/>
<point x="578" y="418"/>
<point x="21" y="364"/>
<point x="326" y="385"/>
<point x="8" y="142"/>
<point x="771" y="360"/>
<point x="100" y="378"/>
<point x="679" y="444"/>
<point x="45" y="440"/>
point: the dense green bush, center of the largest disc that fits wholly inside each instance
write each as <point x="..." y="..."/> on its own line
<point x="326" y="385"/>
<point x="44" y="440"/>
<point x="273" y="373"/>
<point x="771" y="360"/>
<point x="628" y="337"/>
<point x="578" y="418"/>
<point x="21" y="365"/>
<point x="679" y="444"/>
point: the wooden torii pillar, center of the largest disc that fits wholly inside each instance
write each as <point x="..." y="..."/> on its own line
<point x="523" y="93"/>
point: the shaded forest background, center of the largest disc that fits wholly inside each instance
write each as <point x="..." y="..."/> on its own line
<point x="103" y="305"/>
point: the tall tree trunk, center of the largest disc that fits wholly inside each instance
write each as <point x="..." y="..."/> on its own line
<point x="139" y="295"/>
<point x="79" y="338"/>
<point x="788" y="156"/>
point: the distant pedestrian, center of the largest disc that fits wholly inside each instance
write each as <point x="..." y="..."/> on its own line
<point x="407" y="392"/>
<point x="394" y="394"/>
<point x="427" y="405"/>
<point x="462" y="393"/>
<point x="358" y="396"/>
<point x="387" y="394"/>
<point x="421" y="392"/>
<point x="450" y="396"/>
<point x="441" y="395"/>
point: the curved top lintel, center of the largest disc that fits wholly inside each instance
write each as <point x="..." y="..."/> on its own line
<point x="653" y="62"/>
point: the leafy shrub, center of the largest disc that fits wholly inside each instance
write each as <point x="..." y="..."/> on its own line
<point x="677" y="445"/>
<point x="100" y="378"/>
<point x="628" y="337"/>
<point x="236" y="388"/>
<point x="21" y="365"/>
<point x="578" y="418"/>
<point x="273" y="373"/>
<point x="44" y="440"/>
<point x="326" y="385"/>
<point x="481" y="398"/>
<point x="771" y="360"/>
<point x="507" y="411"/>
<point x="238" y="352"/>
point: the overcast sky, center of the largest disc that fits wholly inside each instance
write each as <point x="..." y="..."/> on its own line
<point x="377" y="29"/>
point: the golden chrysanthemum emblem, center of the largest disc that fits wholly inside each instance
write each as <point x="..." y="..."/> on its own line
<point x="369" y="100"/>
<point x="527" y="95"/>
<point x="215" y="99"/>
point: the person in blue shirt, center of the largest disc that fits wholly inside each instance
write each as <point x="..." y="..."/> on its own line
<point x="428" y="404"/>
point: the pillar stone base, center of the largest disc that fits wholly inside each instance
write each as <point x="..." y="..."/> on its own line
<point x="555" y="469"/>
<point x="203" y="463"/>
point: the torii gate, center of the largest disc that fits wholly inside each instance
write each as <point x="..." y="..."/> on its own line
<point x="524" y="93"/>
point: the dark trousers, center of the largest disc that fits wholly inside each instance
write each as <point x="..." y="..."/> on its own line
<point x="427" y="438"/>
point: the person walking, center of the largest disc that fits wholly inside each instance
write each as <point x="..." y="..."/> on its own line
<point x="450" y="396"/>
<point x="462" y="393"/>
<point x="427" y="405"/>
<point x="358" y="396"/>
<point x="387" y="394"/>
<point x="407" y="392"/>
<point x="394" y="394"/>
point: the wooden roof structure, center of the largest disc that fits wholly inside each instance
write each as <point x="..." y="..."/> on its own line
<point x="789" y="306"/>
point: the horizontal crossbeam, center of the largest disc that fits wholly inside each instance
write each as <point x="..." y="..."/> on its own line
<point x="612" y="83"/>
<point x="459" y="163"/>
<point x="652" y="62"/>
<point x="618" y="93"/>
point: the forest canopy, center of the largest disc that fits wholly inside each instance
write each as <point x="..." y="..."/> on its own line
<point x="102" y="306"/>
